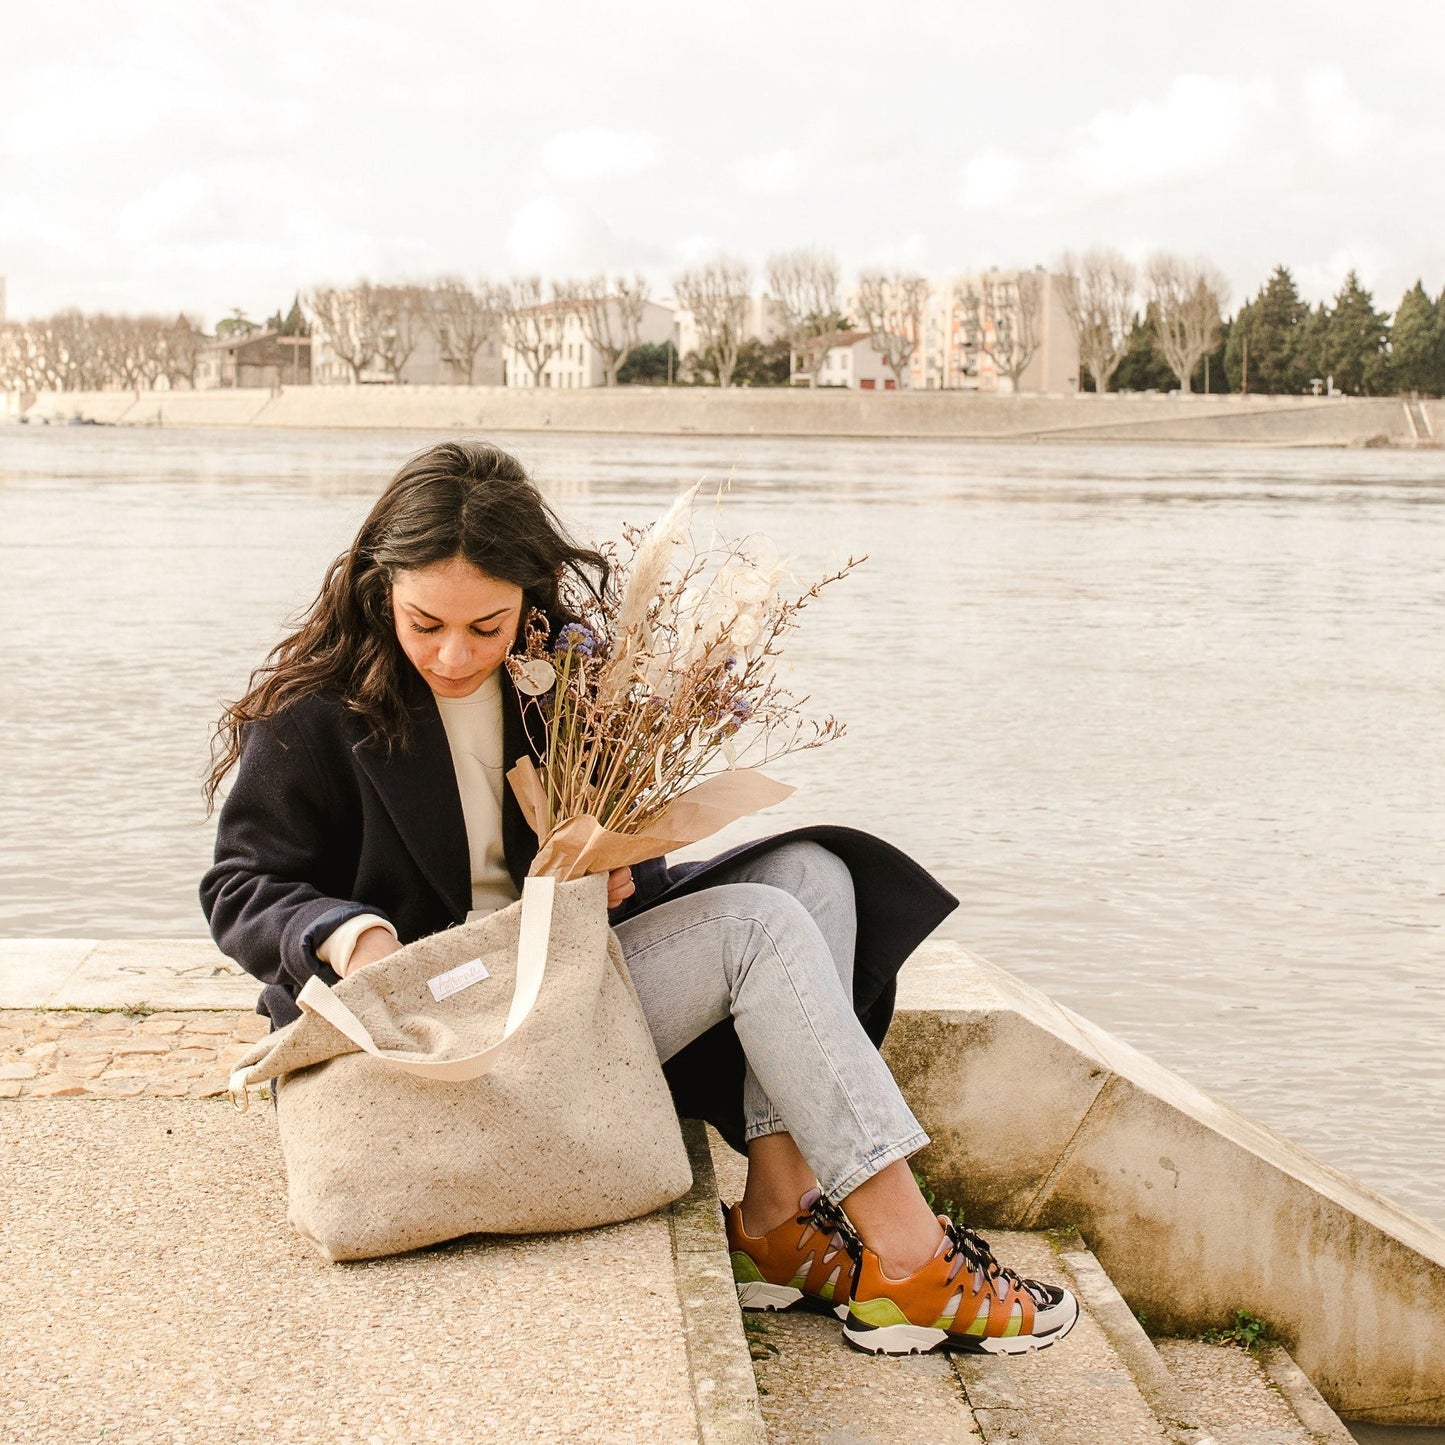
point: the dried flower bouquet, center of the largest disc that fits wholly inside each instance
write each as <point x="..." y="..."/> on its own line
<point x="652" y="700"/>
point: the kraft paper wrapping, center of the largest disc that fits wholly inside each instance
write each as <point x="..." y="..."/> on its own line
<point x="582" y="845"/>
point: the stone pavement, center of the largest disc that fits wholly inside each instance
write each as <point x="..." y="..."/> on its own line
<point x="121" y="1056"/>
<point x="121" y="1018"/>
<point x="152" y="1291"/>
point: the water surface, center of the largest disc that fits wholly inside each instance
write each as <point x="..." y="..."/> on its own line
<point x="1167" y="720"/>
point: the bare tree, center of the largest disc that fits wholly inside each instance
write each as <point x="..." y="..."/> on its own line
<point x="611" y="320"/>
<point x="75" y="348"/>
<point x="1098" y="292"/>
<point x="463" y="318"/>
<point x="16" y="361"/>
<point x="1009" y="310"/>
<point x="182" y="344"/>
<point x="401" y="322"/>
<point x="533" y="327"/>
<point x="805" y="284"/>
<point x="892" y="307"/>
<point x="350" y="320"/>
<point x="717" y="296"/>
<point x="1187" y="297"/>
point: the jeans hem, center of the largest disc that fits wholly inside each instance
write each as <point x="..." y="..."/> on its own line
<point x="771" y="1125"/>
<point x="874" y="1164"/>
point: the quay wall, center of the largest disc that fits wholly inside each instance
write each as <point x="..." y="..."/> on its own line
<point x="706" y="411"/>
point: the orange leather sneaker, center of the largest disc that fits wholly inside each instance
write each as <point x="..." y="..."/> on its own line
<point x="961" y="1300"/>
<point x="805" y="1261"/>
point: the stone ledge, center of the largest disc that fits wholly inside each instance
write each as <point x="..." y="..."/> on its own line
<point x="1193" y="1209"/>
<point x="121" y="973"/>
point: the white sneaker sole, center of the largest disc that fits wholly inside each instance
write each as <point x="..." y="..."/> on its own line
<point x="761" y="1296"/>
<point x="921" y="1339"/>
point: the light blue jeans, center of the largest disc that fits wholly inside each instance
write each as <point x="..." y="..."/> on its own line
<point x="771" y="944"/>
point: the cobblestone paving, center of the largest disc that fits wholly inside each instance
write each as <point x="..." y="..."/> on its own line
<point x="71" y="1054"/>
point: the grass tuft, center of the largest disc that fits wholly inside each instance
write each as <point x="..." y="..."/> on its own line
<point x="1248" y="1332"/>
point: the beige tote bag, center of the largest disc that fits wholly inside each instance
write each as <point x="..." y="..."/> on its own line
<point x="498" y="1077"/>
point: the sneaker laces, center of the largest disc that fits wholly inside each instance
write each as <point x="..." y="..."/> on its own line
<point x="827" y="1218"/>
<point x="975" y="1251"/>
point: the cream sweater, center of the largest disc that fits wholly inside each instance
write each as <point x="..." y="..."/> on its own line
<point x="474" y="733"/>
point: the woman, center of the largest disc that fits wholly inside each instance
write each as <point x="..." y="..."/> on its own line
<point x="369" y="809"/>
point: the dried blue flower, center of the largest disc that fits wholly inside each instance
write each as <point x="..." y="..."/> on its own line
<point x="576" y="637"/>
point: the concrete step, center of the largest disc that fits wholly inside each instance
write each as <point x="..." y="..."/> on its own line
<point x="1106" y="1384"/>
<point x="85" y="1024"/>
<point x="153" y="1291"/>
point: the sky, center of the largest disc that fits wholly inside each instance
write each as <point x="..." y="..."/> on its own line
<point x="167" y="156"/>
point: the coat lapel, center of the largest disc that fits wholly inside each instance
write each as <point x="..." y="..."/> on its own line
<point x="418" y="787"/>
<point x="518" y="839"/>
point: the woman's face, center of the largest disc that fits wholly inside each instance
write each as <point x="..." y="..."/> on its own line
<point x="455" y="623"/>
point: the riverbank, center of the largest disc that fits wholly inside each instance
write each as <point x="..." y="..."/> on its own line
<point x="681" y="411"/>
<point x="1189" y="1209"/>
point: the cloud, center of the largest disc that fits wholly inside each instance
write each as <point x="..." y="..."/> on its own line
<point x="1337" y="119"/>
<point x="1198" y="124"/>
<point x="774" y="173"/>
<point x="1321" y="279"/>
<point x="991" y="179"/>
<point x="1229" y="130"/>
<point x="557" y="237"/>
<point x="596" y="154"/>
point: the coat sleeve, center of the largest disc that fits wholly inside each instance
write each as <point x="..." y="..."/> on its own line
<point x="284" y="860"/>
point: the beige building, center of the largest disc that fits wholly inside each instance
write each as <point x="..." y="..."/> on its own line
<point x="261" y="359"/>
<point x="976" y="329"/>
<point x="555" y="331"/>
<point x="425" y="365"/>
<point x="763" y="320"/>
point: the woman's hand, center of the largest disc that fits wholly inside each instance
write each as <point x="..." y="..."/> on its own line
<point x="619" y="887"/>
<point x="371" y="947"/>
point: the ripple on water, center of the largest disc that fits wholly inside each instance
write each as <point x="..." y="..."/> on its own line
<point x="1165" y="719"/>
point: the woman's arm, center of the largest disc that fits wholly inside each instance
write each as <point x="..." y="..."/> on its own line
<point x="284" y="860"/>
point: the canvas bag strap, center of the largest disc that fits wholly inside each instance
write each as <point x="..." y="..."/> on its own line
<point x="533" y="934"/>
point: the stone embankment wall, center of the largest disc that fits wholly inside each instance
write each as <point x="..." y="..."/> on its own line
<point x="1257" y="420"/>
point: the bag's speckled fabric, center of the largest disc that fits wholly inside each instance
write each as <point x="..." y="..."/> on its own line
<point x="572" y="1127"/>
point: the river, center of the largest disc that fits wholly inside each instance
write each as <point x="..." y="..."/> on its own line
<point x="1166" y="719"/>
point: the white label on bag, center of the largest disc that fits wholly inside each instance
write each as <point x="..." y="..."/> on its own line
<point x="454" y="980"/>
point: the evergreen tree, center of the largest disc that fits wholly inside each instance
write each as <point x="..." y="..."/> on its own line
<point x="649" y="364"/>
<point x="1212" y="375"/>
<point x="1143" y="368"/>
<point x="1417" y="342"/>
<point x="1310" y="348"/>
<point x="1357" y="342"/>
<point x="1268" y="330"/>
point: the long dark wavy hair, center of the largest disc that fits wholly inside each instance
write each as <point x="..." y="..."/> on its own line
<point x="455" y="499"/>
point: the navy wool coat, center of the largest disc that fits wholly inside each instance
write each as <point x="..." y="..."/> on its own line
<point x="321" y="824"/>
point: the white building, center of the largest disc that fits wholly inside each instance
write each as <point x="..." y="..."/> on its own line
<point x="555" y="331"/>
<point x="852" y="360"/>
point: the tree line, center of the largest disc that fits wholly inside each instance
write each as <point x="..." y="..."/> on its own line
<point x="1161" y="327"/>
<point x="1152" y="327"/>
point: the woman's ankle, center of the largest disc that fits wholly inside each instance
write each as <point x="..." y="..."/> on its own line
<point x="778" y="1177"/>
<point x="894" y="1221"/>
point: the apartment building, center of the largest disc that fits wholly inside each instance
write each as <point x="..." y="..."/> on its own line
<point x="979" y="329"/>
<point x="425" y="365"/>
<point x="763" y="319"/>
<point x="554" y="335"/>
